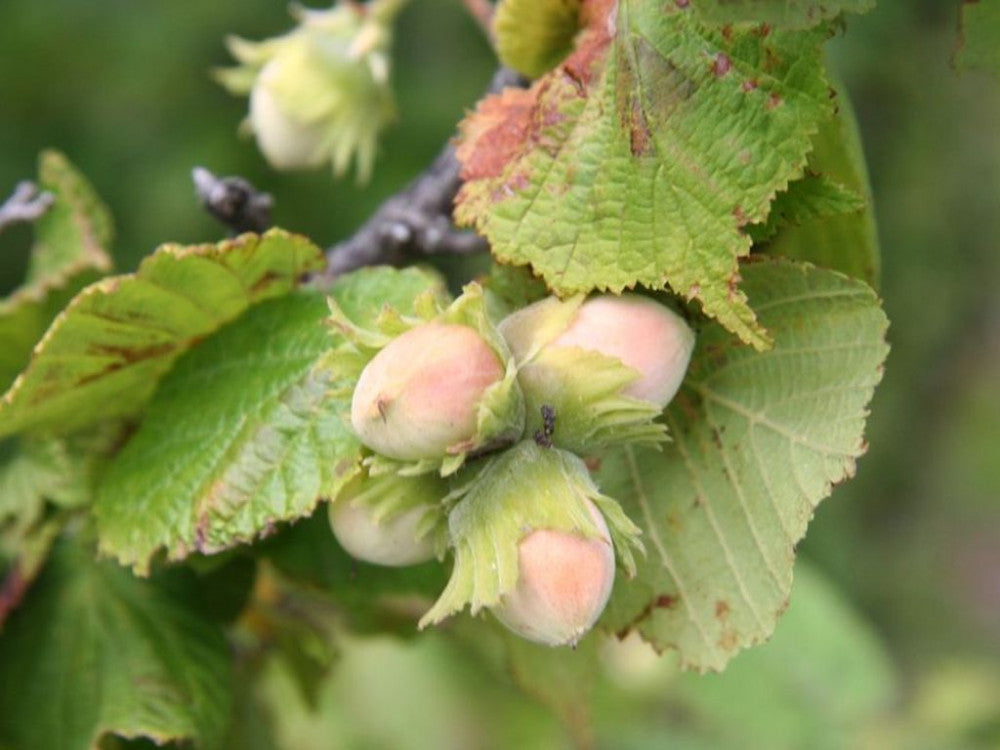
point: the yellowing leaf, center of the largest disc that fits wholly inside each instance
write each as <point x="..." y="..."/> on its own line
<point x="640" y="159"/>
<point x="759" y="438"/>
<point x="104" y="354"/>
<point x="71" y="249"/>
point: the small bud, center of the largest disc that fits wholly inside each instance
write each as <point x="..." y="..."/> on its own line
<point x="641" y="333"/>
<point x="419" y="396"/>
<point x="564" y="581"/>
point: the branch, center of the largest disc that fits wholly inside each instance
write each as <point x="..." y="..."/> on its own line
<point x="25" y="204"/>
<point x="417" y="220"/>
<point x="233" y="201"/>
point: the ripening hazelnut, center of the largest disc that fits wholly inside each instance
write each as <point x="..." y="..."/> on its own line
<point x="638" y="331"/>
<point x="564" y="581"/>
<point x="393" y="541"/>
<point x="320" y="93"/>
<point x="287" y="143"/>
<point x="419" y="395"/>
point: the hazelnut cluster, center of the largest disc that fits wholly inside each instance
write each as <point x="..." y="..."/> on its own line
<point x="430" y="392"/>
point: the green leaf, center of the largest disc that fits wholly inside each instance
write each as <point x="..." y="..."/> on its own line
<point x="784" y="14"/>
<point x="840" y="234"/>
<point x="979" y="37"/>
<point x="532" y="36"/>
<point x="33" y="471"/>
<point x="75" y="234"/>
<point x="247" y="430"/>
<point x="639" y="160"/>
<point x="759" y="440"/>
<point x="72" y="242"/>
<point x="815" y="683"/>
<point x="812" y="197"/>
<point x="105" y="353"/>
<point x="563" y="681"/>
<point x="94" y="651"/>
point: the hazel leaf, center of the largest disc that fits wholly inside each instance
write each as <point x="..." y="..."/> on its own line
<point x="71" y="249"/>
<point x="784" y="14"/>
<point x="643" y="155"/>
<point x="836" y="230"/>
<point x="759" y="439"/>
<point x="95" y="652"/>
<point x="105" y="353"/>
<point x="978" y="35"/>
<point x="250" y="428"/>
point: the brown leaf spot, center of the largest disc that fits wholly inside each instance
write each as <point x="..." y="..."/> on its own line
<point x="773" y="101"/>
<point x="740" y="215"/>
<point x="721" y="610"/>
<point x="728" y="641"/>
<point x="750" y="84"/>
<point x="265" y="281"/>
<point x="495" y="133"/>
<point x="721" y="64"/>
<point x="665" y="601"/>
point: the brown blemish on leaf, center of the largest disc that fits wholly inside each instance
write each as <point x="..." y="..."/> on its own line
<point x="728" y="641"/>
<point x="740" y="215"/>
<point x="721" y="64"/>
<point x="495" y="133"/>
<point x="662" y="601"/>
<point x="665" y="601"/>
<point x="132" y="355"/>
<point x="639" y="136"/>
<point x="507" y="125"/>
<point x="773" y="101"/>
<point x="265" y="281"/>
<point x="721" y="610"/>
<point x="733" y="286"/>
<point x="749" y="84"/>
<point x="126" y="357"/>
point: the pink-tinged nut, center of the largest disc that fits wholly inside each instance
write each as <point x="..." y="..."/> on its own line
<point x="640" y="332"/>
<point x="392" y="542"/>
<point x="564" y="581"/>
<point x="420" y="394"/>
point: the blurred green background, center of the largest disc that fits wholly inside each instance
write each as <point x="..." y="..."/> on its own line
<point x="905" y="558"/>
